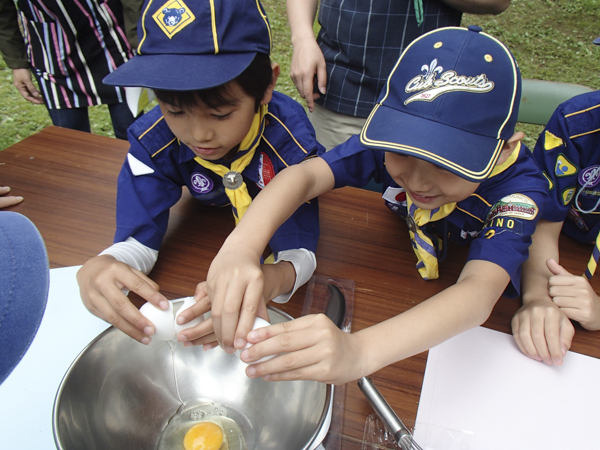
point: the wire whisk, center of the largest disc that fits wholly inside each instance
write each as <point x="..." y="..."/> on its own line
<point x="387" y="415"/>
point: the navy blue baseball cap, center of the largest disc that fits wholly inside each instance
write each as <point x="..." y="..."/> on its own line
<point x="452" y="99"/>
<point x="194" y="44"/>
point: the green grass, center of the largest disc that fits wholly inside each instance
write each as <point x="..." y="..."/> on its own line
<point x="551" y="40"/>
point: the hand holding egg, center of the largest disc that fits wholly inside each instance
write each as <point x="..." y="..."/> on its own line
<point x="165" y="322"/>
<point x="258" y="323"/>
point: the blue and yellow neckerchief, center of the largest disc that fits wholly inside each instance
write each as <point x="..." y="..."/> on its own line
<point x="422" y="243"/>
<point x="417" y="218"/>
<point x="239" y="197"/>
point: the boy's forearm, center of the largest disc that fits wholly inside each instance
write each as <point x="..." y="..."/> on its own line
<point x="301" y="16"/>
<point x="279" y="279"/>
<point x="278" y="201"/>
<point x="460" y="307"/>
<point x="535" y="272"/>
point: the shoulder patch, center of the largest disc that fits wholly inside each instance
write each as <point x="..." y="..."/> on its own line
<point x="567" y="195"/>
<point x="551" y="141"/>
<point x="266" y="170"/>
<point x="550" y="182"/>
<point x="514" y="205"/>
<point x="137" y="167"/>
<point x="564" y="167"/>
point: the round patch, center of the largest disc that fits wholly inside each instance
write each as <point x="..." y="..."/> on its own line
<point x="201" y="183"/>
<point x="590" y="176"/>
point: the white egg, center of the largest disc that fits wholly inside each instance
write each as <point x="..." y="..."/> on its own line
<point x="188" y="302"/>
<point x="258" y="323"/>
<point x="163" y="321"/>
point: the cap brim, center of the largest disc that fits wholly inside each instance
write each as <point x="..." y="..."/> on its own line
<point x="468" y="155"/>
<point x="180" y="72"/>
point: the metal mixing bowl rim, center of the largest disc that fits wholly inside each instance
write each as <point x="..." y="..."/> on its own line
<point x="311" y="445"/>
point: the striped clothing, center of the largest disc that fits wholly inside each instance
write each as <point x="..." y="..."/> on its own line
<point x="362" y="40"/>
<point x="71" y="46"/>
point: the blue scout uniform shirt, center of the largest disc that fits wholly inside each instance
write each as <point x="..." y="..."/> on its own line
<point x="497" y="220"/>
<point x="163" y="165"/>
<point x="567" y="152"/>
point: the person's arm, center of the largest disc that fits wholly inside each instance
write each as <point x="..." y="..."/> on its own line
<point x="541" y="330"/>
<point x="142" y="220"/>
<point x="316" y="350"/>
<point x="236" y="273"/>
<point x="575" y="296"/>
<point x="479" y="6"/>
<point x="307" y="58"/>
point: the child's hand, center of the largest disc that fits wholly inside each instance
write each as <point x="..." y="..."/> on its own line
<point x="235" y="283"/>
<point x="203" y="333"/>
<point x="11" y="200"/>
<point x="542" y="331"/>
<point x="315" y="349"/>
<point x="575" y="297"/>
<point x="100" y="282"/>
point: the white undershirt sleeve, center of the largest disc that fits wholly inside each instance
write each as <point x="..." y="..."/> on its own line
<point x="304" y="262"/>
<point x="134" y="254"/>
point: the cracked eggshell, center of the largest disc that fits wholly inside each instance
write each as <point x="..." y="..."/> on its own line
<point x="258" y="323"/>
<point x="162" y="321"/>
<point x="188" y="302"/>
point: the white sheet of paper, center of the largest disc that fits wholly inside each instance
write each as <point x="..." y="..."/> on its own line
<point x="27" y="395"/>
<point x="481" y="393"/>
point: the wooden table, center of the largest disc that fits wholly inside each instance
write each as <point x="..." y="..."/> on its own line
<point x="68" y="179"/>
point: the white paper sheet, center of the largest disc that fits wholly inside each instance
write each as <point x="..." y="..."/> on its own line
<point x="27" y="395"/>
<point x="481" y="393"/>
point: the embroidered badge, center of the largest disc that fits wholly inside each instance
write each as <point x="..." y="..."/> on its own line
<point x="501" y="224"/>
<point x="266" y="171"/>
<point x="395" y="195"/>
<point x="514" y="205"/>
<point x="567" y="195"/>
<point x="551" y="141"/>
<point x="550" y="182"/>
<point x="201" y="183"/>
<point x="173" y="17"/>
<point x="564" y="167"/>
<point x="429" y="86"/>
<point x="590" y="176"/>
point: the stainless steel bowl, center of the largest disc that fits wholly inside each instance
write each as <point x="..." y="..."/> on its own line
<point x="119" y="394"/>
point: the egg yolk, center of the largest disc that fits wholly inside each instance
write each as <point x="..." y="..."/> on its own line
<point x="203" y="436"/>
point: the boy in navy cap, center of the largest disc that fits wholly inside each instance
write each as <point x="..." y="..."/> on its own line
<point x="442" y="141"/>
<point x="567" y="152"/>
<point x="221" y="131"/>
